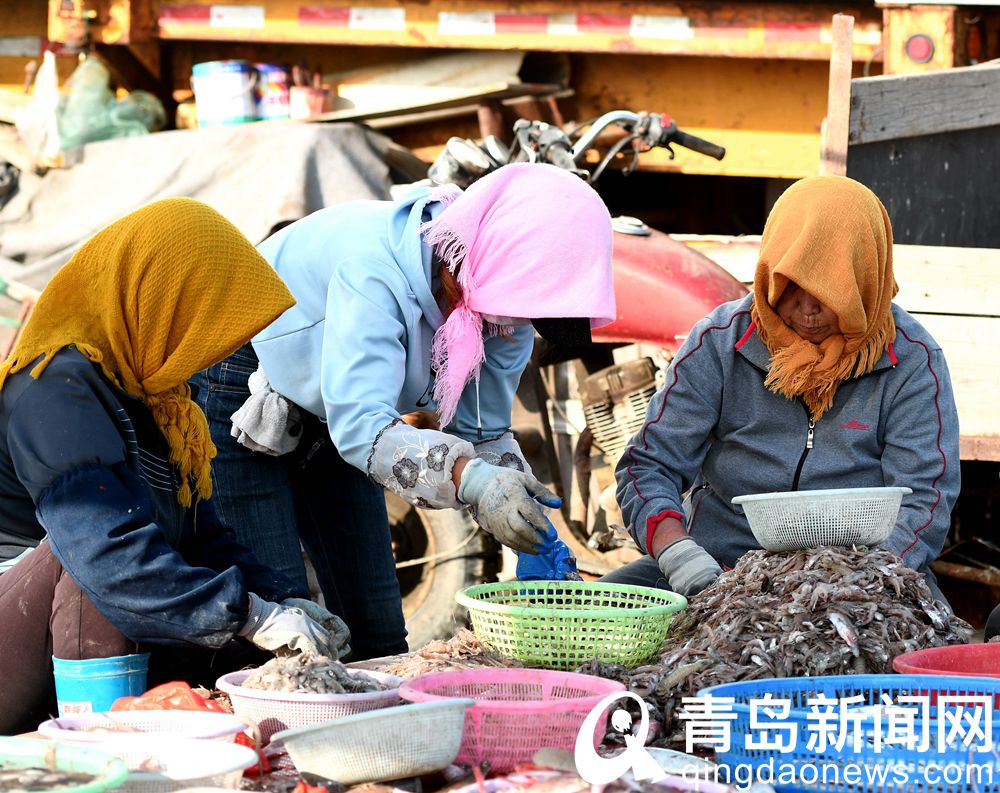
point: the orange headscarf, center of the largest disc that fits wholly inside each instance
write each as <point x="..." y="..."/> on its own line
<point x="154" y="298"/>
<point x="831" y="236"/>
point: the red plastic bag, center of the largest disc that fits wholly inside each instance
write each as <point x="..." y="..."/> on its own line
<point x="304" y="787"/>
<point x="262" y="766"/>
<point x="180" y="696"/>
<point x="169" y="696"/>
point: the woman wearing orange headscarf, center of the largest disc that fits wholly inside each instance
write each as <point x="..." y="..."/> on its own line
<point x="105" y="520"/>
<point x="816" y="380"/>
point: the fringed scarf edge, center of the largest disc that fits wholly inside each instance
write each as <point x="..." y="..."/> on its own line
<point x="818" y="389"/>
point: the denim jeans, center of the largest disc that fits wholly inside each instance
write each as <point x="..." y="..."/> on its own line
<point x="642" y="572"/>
<point x="312" y="496"/>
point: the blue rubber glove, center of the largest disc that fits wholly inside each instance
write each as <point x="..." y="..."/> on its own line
<point x="555" y="562"/>
<point x="505" y="503"/>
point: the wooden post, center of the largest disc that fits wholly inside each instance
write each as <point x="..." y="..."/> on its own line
<point x="833" y="159"/>
<point x="491" y="119"/>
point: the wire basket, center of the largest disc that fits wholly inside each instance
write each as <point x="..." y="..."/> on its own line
<point x="161" y="764"/>
<point x="516" y="711"/>
<point x="806" y="518"/>
<point x="390" y="743"/>
<point x="862" y="751"/>
<point x="563" y="624"/>
<point x="273" y="711"/>
<point x="96" y="727"/>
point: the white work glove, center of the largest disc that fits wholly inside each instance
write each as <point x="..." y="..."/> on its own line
<point x="688" y="567"/>
<point x="340" y="634"/>
<point x="506" y="501"/>
<point x="275" y="627"/>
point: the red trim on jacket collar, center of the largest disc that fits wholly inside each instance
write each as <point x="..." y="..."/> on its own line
<point x="745" y="336"/>
<point x="944" y="457"/>
<point x="653" y="522"/>
<point x="892" y="354"/>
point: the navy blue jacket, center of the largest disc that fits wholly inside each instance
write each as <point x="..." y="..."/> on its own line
<point x="83" y="464"/>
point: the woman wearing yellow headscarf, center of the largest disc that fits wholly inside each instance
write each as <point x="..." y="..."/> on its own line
<point x="105" y="520"/>
<point x="816" y="380"/>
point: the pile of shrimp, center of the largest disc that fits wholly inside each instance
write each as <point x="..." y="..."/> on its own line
<point x="822" y="611"/>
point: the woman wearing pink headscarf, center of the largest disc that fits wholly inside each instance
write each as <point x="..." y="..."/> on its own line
<point x="424" y="304"/>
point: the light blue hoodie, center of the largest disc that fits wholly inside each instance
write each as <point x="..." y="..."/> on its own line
<point x="355" y="350"/>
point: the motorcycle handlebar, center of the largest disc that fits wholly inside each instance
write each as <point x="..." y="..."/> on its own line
<point x="695" y="143"/>
<point x="622" y="117"/>
<point x="630" y="120"/>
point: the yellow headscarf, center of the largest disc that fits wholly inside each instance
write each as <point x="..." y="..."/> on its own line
<point x="154" y="298"/>
<point x="831" y="236"/>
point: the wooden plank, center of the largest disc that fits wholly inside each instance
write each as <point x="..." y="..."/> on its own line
<point x="499" y="91"/>
<point x="944" y="280"/>
<point x="980" y="448"/>
<point x="833" y="159"/>
<point x="932" y="279"/>
<point x="938" y="189"/>
<point x="967" y="343"/>
<point x="889" y="107"/>
<point x="735" y="255"/>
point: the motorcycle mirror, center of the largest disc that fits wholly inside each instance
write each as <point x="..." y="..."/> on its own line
<point x="469" y="156"/>
<point x="445" y="170"/>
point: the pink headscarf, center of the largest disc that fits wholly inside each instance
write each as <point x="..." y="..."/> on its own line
<point x="528" y="241"/>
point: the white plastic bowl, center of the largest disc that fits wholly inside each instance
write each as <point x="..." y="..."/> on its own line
<point x="791" y="521"/>
<point x="391" y="743"/>
<point x="161" y="764"/>
<point x="96" y="727"/>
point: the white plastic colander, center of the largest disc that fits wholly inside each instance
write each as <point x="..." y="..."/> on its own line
<point x="273" y="711"/>
<point x="391" y="743"/>
<point x="806" y="518"/>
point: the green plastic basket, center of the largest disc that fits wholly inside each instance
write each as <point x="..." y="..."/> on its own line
<point x="563" y="624"/>
<point x="109" y="771"/>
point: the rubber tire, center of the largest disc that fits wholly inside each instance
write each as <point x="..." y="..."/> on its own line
<point x="429" y="589"/>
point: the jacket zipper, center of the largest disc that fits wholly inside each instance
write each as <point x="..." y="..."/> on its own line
<point x="805" y="451"/>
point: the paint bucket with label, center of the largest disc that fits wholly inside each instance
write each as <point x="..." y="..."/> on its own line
<point x="272" y="91"/>
<point x="92" y="685"/>
<point x="224" y="92"/>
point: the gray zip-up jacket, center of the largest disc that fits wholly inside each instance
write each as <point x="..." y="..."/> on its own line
<point x="716" y="431"/>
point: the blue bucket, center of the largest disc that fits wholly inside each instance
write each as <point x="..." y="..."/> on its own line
<point x="92" y="685"/>
<point x="224" y="92"/>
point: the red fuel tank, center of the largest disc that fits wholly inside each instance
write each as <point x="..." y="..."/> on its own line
<point x="662" y="287"/>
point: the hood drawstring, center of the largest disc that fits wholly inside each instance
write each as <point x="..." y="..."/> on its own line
<point x="479" y="418"/>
